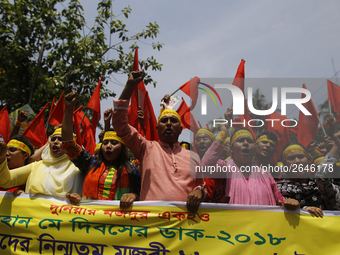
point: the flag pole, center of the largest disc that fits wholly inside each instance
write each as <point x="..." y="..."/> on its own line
<point x="175" y="91"/>
<point x="330" y="106"/>
<point x="138" y="97"/>
<point x="83" y="116"/>
<point x="323" y="129"/>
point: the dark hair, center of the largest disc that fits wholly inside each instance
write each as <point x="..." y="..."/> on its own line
<point x="122" y="161"/>
<point x="26" y="141"/>
<point x="271" y="135"/>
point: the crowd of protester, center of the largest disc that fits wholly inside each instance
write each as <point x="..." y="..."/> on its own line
<point x="166" y="169"/>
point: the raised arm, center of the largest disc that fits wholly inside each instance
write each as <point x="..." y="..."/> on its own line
<point x="67" y="127"/>
<point x="132" y="139"/>
<point x="22" y="116"/>
<point x="134" y="79"/>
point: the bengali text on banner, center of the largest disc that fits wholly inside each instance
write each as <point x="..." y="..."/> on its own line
<point x="48" y="225"/>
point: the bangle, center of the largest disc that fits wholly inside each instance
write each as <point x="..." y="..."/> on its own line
<point x="202" y="190"/>
<point x="222" y="136"/>
<point x="17" y="123"/>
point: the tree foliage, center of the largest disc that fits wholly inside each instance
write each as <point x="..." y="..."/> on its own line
<point x="47" y="47"/>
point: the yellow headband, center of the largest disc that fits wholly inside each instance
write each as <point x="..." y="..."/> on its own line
<point x="167" y="112"/>
<point x="185" y="146"/>
<point x="205" y="131"/>
<point x="19" y="145"/>
<point x="266" y="139"/>
<point x="226" y="140"/>
<point x="112" y="135"/>
<point x="279" y="163"/>
<point x="98" y="146"/>
<point x="291" y="149"/>
<point x="318" y="160"/>
<point x="240" y="133"/>
<point x="59" y="132"/>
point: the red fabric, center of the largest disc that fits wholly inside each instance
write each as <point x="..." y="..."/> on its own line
<point x="294" y="130"/>
<point x="187" y="119"/>
<point x="150" y="121"/>
<point x="94" y="104"/>
<point x="88" y="139"/>
<point x="191" y="89"/>
<point x="181" y="110"/>
<point x="308" y="124"/>
<point x="76" y="122"/>
<point x="22" y="187"/>
<point x="239" y="82"/>
<point x="52" y="108"/>
<point x="57" y="115"/>
<point x="36" y="131"/>
<point x="281" y="132"/>
<point x="5" y="126"/>
<point x="334" y="95"/>
<point x="92" y="183"/>
<point x="239" y="77"/>
<point x="91" y="191"/>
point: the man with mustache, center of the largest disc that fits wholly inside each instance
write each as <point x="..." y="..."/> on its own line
<point x="164" y="165"/>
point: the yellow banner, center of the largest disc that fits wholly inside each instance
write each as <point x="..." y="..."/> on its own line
<point x="47" y="225"/>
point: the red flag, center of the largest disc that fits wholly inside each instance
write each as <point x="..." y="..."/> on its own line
<point x="52" y="108"/>
<point x="76" y="122"/>
<point x="5" y="126"/>
<point x="191" y="89"/>
<point x="334" y="95"/>
<point x="308" y="124"/>
<point x="294" y="130"/>
<point x="181" y="110"/>
<point x="150" y="121"/>
<point x="239" y="82"/>
<point x="36" y="131"/>
<point x="94" y="104"/>
<point x="57" y="115"/>
<point x="88" y="140"/>
<point x="239" y="77"/>
<point x="187" y="119"/>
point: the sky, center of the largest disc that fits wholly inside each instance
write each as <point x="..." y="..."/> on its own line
<point x="208" y="39"/>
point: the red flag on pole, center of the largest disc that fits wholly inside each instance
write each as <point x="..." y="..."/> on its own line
<point x="334" y="95"/>
<point x="239" y="82"/>
<point x="94" y="104"/>
<point x="57" y="115"/>
<point x="191" y="89"/>
<point x="5" y="126"/>
<point x="150" y="121"/>
<point x="187" y="119"/>
<point x="36" y="131"/>
<point x="308" y="124"/>
<point x="76" y="122"/>
<point x="239" y="77"/>
<point x="88" y="140"/>
<point x="52" y="108"/>
<point x="181" y="110"/>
